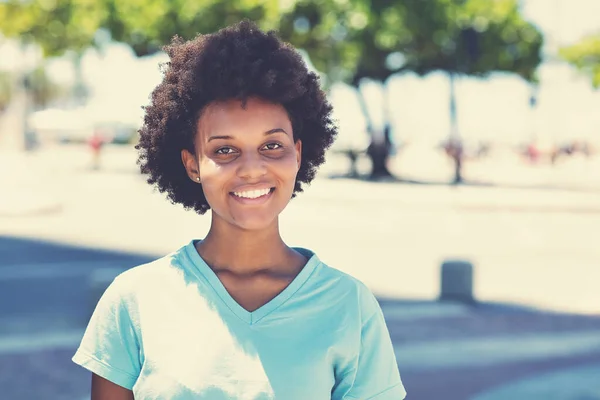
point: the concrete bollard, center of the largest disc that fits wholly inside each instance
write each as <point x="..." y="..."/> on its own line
<point x="457" y="281"/>
<point x="99" y="280"/>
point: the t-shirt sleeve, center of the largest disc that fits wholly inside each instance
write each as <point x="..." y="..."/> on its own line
<point x="375" y="374"/>
<point x="110" y="346"/>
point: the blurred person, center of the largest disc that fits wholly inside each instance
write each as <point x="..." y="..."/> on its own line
<point x="238" y="126"/>
<point x="96" y="143"/>
<point x="533" y="153"/>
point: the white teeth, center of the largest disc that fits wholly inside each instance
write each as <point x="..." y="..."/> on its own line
<point x="252" y="194"/>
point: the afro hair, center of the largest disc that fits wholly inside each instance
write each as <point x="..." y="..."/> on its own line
<point x="237" y="62"/>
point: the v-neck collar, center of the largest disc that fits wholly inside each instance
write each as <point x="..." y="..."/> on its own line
<point x="261" y="312"/>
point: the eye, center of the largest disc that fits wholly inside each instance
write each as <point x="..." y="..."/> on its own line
<point x="273" y="146"/>
<point x="224" y="151"/>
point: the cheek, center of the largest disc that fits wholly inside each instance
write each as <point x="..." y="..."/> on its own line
<point x="285" y="168"/>
<point x="209" y="169"/>
<point x="290" y="160"/>
<point x="212" y="176"/>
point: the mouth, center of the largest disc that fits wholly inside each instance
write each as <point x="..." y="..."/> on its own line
<point x="253" y="196"/>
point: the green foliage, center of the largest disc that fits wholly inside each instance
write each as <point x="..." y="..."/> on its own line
<point x="55" y="25"/>
<point x="585" y="55"/>
<point x="147" y="25"/>
<point x="382" y="37"/>
<point x="347" y="40"/>
<point x="328" y="31"/>
<point x="473" y="37"/>
<point x="58" y="26"/>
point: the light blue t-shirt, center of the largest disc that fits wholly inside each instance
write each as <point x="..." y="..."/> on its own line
<point x="170" y="330"/>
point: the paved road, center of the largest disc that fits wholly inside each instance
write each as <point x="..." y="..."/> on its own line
<point x="44" y="306"/>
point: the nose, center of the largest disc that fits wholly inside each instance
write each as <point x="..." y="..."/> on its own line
<point x="251" y="166"/>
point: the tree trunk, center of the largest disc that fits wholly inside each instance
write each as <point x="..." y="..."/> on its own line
<point x="379" y="147"/>
<point x="23" y="102"/>
<point x="14" y="137"/>
<point x="379" y="151"/>
<point x="455" y="143"/>
<point x="79" y="87"/>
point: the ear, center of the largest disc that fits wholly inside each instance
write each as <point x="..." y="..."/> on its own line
<point x="298" y="146"/>
<point x="191" y="165"/>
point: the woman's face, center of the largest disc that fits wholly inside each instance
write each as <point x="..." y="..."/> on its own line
<point x="247" y="161"/>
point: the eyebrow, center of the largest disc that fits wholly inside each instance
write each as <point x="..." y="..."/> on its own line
<point x="269" y="132"/>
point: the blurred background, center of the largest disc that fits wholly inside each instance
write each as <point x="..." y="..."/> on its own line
<point x="464" y="188"/>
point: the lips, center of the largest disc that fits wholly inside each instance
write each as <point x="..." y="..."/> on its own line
<point x="252" y="195"/>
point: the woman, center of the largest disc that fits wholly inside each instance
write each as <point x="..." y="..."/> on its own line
<point x="238" y="126"/>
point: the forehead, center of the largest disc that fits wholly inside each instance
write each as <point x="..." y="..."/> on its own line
<point x="230" y="117"/>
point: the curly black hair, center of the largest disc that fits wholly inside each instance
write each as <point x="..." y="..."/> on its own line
<point x="237" y="62"/>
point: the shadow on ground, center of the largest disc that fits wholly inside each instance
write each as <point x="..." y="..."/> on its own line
<point x="44" y="286"/>
<point x="493" y="350"/>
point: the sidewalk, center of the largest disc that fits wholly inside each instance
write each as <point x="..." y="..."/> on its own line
<point x="24" y="186"/>
<point x="37" y="181"/>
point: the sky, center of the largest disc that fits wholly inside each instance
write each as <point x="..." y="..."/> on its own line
<point x="496" y="108"/>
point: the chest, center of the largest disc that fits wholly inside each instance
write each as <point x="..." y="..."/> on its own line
<point x="209" y="355"/>
<point x="195" y="347"/>
<point x="253" y="293"/>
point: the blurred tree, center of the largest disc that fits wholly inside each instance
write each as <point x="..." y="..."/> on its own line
<point x="55" y="25"/>
<point x="43" y="89"/>
<point x="148" y="25"/>
<point x="348" y="41"/>
<point x="585" y="55"/>
<point x="5" y="90"/>
<point x="468" y="37"/>
<point x="353" y="40"/>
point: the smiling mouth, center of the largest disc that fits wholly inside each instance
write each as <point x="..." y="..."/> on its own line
<point x="253" y="194"/>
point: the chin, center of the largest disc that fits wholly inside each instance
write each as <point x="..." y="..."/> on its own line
<point x="250" y="217"/>
<point x="255" y="218"/>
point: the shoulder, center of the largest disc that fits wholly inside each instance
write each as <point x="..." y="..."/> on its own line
<point x="350" y="288"/>
<point x="341" y="278"/>
<point x="148" y="277"/>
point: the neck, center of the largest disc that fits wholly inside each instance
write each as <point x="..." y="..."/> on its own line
<point x="229" y="248"/>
